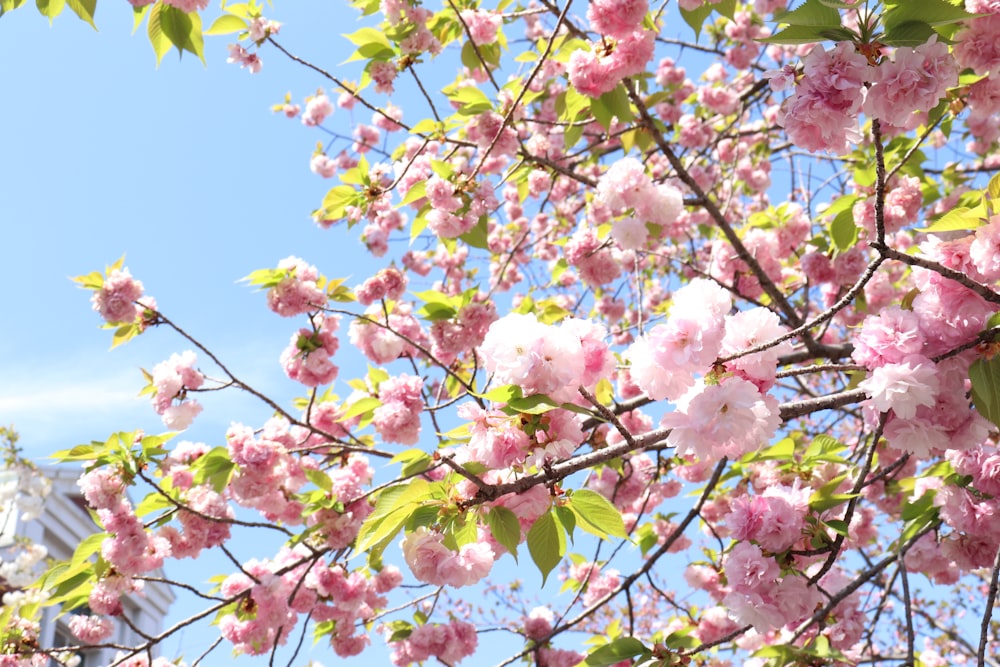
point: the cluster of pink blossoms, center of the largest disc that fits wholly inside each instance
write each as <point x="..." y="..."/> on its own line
<point x="272" y="594"/>
<point x="624" y="50"/>
<point x="119" y="300"/>
<point x="448" y="643"/>
<point x="926" y="401"/>
<point x="625" y="187"/>
<point x="822" y="113"/>
<point x="760" y="595"/>
<point x="398" y="418"/>
<point x="172" y="379"/>
<point x="91" y="629"/>
<point x="544" y="359"/>
<point x="297" y="292"/>
<point x="434" y="563"/>
<point x="307" y="359"/>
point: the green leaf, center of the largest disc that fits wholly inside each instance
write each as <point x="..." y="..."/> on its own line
<point x="504" y="394"/>
<point x="505" y="527"/>
<point x="918" y="507"/>
<point x="177" y="28"/>
<point x="843" y="231"/>
<point x="546" y="544"/>
<point x="50" y="8"/>
<point x="226" y="25"/>
<point x="360" y="406"/>
<point x="392" y="510"/>
<point x="696" y="17"/>
<point x="985" y="376"/>
<point x="160" y="42"/>
<point x="810" y="13"/>
<point x="783" y="450"/>
<point x="807" y="34"/>
<point x="959" y="218"/>
<point x="596" y="515"/>
<point x="478" y="236"/>
<point x="615" y="651"/>
<point x="910" y="33"/>
<point x="85" y="10"/>
<point x="535" y="404"/>
<point x="87" y="548"/>
<point x="472" y="100"/>
<point x="319" y="478"/>
<point x="932" y="12"/>
<point x="368" y="36"/>
<point x="124" y="334"/>
<point x="618" y="104"/>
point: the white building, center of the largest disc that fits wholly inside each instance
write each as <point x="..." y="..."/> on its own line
<point x="64" y="523"/>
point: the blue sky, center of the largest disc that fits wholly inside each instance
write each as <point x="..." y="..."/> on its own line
<point x="184" y="169"/>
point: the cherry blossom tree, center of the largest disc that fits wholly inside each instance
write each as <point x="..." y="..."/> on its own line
<point x="695" y="326"/>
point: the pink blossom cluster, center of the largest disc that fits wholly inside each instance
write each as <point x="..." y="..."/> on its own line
<point x="204" y="523"/>
<point x="449" y="643"/>
<point x="482" y="25"/>
<point x="265" y="616"/>
<point x="928" y="411"/>
<point x="248" y="60"/>
<point x="388" y="284"/>
<point x="349" y="599"/>
<point x="600" y="70"/>
<point x="297" y="292"/>
<point x="339" y="528"/>
<point x="106" y="594"/>
<point x="103" y="488"/>
<point x="910" y="84"/>
<point x="760" y="595"/>
<point x="452" y="338"/>
<point x="822" y="113"/>
<point x="318" y="108"/>
<point x="268" y="475"/>
<point x="731" y="418"/>
<point x="599" y="263"/>
<point x="631" y="194"/>
<point x="91" y="629"/>
<point x="545" y="359"/>
<point x="598" y="583"/>
<point x="774" y="520"/>
<point x="307" y="359"/>
<point x="976" y="46"/>
<point x="398" y="418"/>
<point x="434" y="563"/>
<point x="615" y="18"/>
<point x="638" y="489"/>
<point x="383" y="339"/>
<point x="172" y="379"/>
<point x="665" y="360"/>
<point x="130" y="548"/>
<point x="118" y="298"/>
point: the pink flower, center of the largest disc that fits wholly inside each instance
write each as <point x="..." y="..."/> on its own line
<point x="483" y="25"/>
<point x="727" y="419"/>
<point x="903" y="386"/>
<point x="434" y="563"/>
<point x="617" y="18"/>
<point x="115" y="301"/>
<point x="317" y="109"/>
<point x="539" y="358"/>
<point x="91" y="629"/>
<point x="296" y="292"/>
<point x="913" y="82"/>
